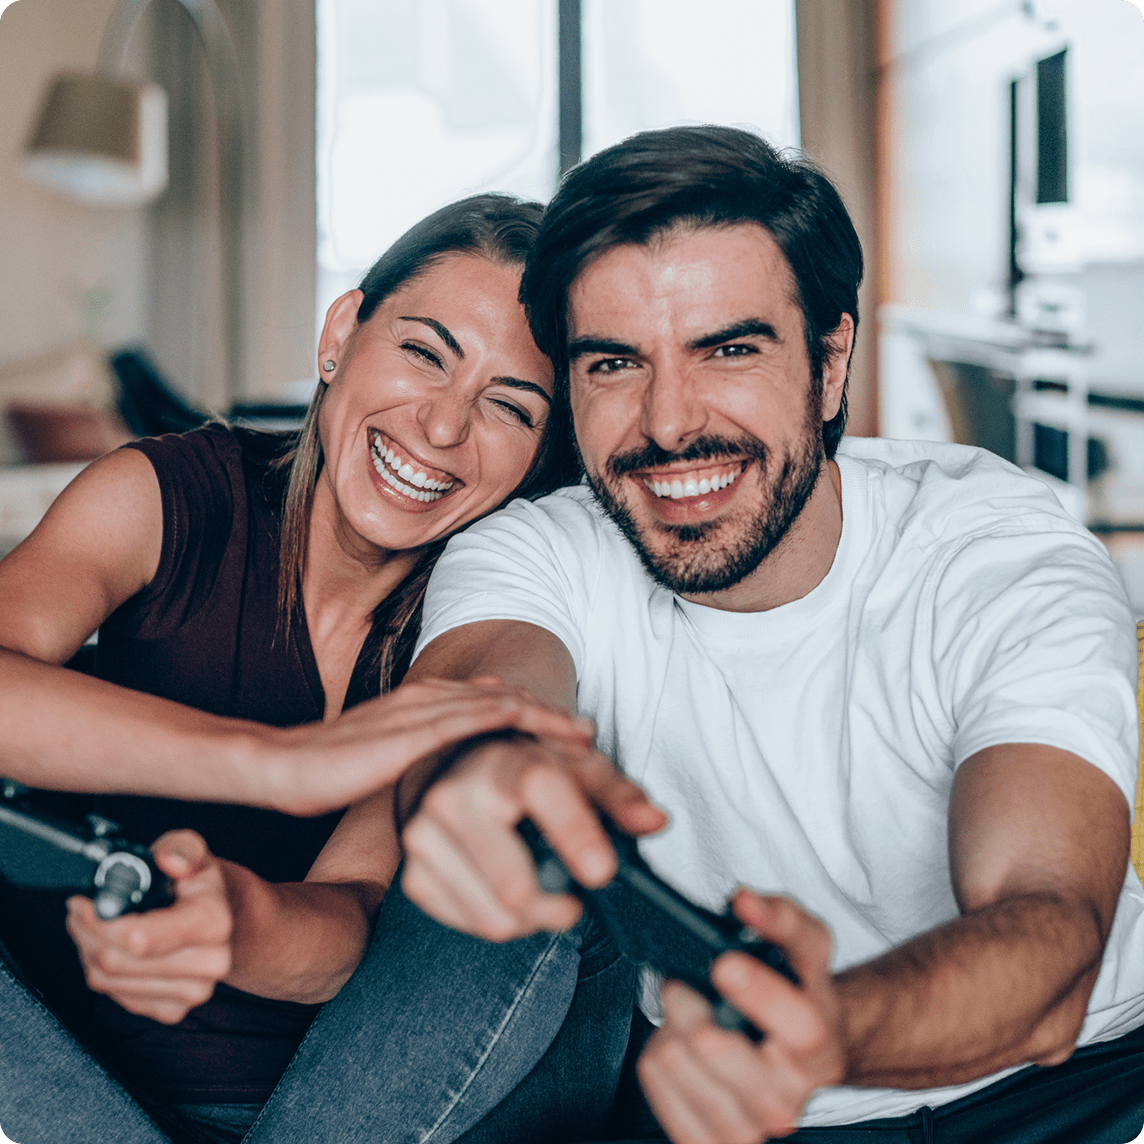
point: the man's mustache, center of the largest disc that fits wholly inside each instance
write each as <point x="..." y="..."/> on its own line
<point x="651" y="456"/>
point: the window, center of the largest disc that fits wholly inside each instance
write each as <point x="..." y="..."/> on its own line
<point x="423" y="101"/>
<point x="653" y="63"/>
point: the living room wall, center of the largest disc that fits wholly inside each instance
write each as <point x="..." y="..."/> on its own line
<point x="152" y="275"/>
<point x="68" y="269"/>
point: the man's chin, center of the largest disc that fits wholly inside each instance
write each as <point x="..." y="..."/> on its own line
<point x="693" y="567"/>
<point x="684" y="558"/>
<point x="707" y="556"/>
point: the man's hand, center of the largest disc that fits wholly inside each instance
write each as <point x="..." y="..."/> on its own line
<point x="467" y="866"/>
<point x="710" y="1086"/>
<point x="163" y="963"/>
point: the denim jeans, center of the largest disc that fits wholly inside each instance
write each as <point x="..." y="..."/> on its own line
<point x="437" y="1037"/>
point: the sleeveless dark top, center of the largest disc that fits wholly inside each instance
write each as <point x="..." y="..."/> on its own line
<point x="203" y="634"/>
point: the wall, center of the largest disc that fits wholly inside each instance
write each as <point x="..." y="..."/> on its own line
<point x="274" y="41"/>
<point x="153" y="275"/>
<point x="837" y="53"/>
<point x="68" y="269"/>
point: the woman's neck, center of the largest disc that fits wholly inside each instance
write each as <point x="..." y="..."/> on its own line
<point x="344" y="581"/>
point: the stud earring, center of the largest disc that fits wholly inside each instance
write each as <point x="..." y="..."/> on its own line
<point x="329" y="365"/>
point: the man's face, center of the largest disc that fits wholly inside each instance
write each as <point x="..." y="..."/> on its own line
<point x="696" y="415"/>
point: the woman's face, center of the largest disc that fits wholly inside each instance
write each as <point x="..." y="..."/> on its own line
<point x="436" y="406"/>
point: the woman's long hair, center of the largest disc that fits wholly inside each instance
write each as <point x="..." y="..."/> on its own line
<point x="502" y="229"/>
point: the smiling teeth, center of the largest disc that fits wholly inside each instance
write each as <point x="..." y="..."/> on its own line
<point x="415" y="485"/>
<point x="678" y="489"/>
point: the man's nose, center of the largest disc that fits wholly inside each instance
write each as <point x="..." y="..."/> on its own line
<point x="673" y="410"/>
<point x="445" y="418"/>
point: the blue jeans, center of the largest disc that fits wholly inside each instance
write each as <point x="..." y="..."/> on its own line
<point x="437" y="1037"/>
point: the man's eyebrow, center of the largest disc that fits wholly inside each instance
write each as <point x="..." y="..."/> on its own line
<point x="580" y="346"/>
<point x="520" y="383"/>
<point x="751" y="328"/>
<point x="441" y="331"/>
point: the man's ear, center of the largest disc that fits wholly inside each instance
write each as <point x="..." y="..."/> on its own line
<point x="341" y="322"/>
<point x="840" y="342"/>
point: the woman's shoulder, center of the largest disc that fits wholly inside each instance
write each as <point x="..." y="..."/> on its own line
<point x="216" y="461"/>
<point x="207" y="457"/>
<point x="211" y="446"/>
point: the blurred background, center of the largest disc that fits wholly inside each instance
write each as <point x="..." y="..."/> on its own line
<point x="991" y="153"/>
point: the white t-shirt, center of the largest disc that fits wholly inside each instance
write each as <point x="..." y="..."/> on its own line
<point x="810" y="749"/>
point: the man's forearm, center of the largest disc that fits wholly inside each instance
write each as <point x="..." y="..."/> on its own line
<point x="1003" y="985"/>
<point x="518" y="653"/>
<point x="411" y="787"/>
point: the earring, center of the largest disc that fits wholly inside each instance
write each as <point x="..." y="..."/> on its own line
<point x="329" y="365"/>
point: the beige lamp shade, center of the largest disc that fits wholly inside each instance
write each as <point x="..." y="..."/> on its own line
<point x="100" y="140"/>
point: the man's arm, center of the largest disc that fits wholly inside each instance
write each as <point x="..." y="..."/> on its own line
<point x="465" y="863"/>
<point x="520" y="654"/>
<point x="1005" y="984"/>
<point x="1038" y="851"/>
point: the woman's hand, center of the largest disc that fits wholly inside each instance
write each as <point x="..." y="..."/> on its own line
<point x="163" y="963"/>
<point x="326" y="766"/>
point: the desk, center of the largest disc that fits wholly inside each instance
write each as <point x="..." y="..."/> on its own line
<point x="1043" y="388"/>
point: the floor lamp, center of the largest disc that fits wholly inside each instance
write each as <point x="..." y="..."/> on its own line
<point x="102" y="139"/>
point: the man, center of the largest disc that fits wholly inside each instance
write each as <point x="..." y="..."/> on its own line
<point x="892" y="681"/>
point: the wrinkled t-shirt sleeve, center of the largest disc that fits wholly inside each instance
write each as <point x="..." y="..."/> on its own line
<point x="1034" y="642"/>
<point x="528" y="562"/>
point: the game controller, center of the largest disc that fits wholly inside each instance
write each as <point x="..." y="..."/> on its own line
<point x="655" y="925"/>
<point x="42" y="851"/>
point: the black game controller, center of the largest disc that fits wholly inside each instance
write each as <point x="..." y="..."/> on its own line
<point x="655" y="925"/>
<point x="41" y="851"/>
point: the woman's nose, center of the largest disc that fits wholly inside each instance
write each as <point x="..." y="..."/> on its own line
<point x="445" y="419"/>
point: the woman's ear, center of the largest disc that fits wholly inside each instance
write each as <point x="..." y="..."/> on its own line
<point x="836" y="366"/>
<point x="341" y="322"/>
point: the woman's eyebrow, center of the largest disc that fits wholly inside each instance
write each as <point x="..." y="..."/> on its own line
<point x="751" y="328"/>
<point x="520" y="383"/>
<point x="441" y="331"/>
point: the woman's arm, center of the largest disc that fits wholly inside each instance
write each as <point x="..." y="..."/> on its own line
<point x="96" y="547"/>
<point x="294" y="941"/>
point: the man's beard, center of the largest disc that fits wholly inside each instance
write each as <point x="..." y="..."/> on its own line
<point x="691" y="559"/>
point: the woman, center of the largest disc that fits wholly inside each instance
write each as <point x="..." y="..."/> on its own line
<point x="248" y="595"/>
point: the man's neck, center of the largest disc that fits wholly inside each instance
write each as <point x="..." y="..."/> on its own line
<point x="798" y="563"/>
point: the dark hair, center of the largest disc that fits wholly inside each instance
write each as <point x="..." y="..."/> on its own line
<point x="698" y="176"/>
<point x="498" y="227"/>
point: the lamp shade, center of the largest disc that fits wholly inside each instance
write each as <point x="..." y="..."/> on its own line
<point x="100" y="140"/>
